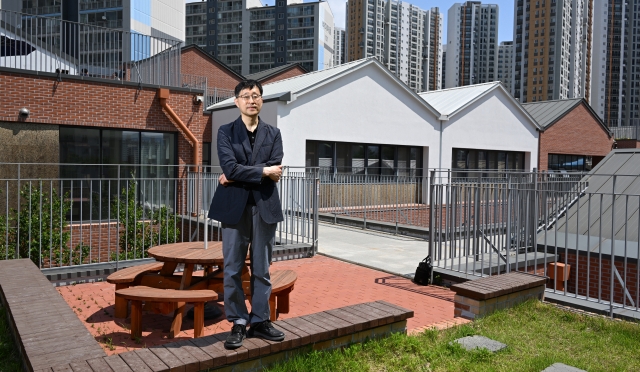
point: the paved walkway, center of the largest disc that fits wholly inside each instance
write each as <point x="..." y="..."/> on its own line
<point x="392" y="253"/>
<point x="323" y="283"/>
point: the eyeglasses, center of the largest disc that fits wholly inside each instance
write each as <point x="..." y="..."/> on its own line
<point x="254" y="97"/>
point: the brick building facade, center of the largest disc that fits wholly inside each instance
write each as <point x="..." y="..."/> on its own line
<point x="574" y="137"/>
<point x="196" y="61"/>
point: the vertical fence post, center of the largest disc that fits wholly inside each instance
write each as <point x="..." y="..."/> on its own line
<point x="431" y="217"/>
<point x="364" y="187"/>
<point x="612" y="257"/>
<point x="397" y="205"/>
<point x="508" y="237"/>
<point x="315" y="212"/>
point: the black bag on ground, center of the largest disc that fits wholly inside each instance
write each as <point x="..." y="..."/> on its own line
<point x="423" y="272"/>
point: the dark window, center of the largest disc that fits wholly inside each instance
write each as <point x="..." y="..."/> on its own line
<point x="471" y="159"/>
<point x="563" y="162"/>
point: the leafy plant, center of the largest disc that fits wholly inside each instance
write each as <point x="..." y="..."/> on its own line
<point x="140" y="232"/>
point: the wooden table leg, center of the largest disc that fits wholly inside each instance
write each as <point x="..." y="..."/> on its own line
<point x="198" y="320"/>
<point x="136" y="319"/>
<point x="176" y="325"/>
<point x="272" y="308"/>
<point x="121" y="303"/>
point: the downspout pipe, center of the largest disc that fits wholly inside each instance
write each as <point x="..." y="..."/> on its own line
<point x="163" y="94"/>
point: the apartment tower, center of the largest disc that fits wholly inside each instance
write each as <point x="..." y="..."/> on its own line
<point x="505" y="64"/>
<point x="552" y="40"/>
<point x="472" y="44"/>
<point x="251" y="37"/>
<point x="400" y="35"/>
<point x="616" y="62"/>
<point x="432" y="50"/>
<point x="196" y="24"/>
<point x="339" y="46"/>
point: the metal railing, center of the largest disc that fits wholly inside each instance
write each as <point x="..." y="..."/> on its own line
<point x="215" y="95"/>
<point x="632" y="132"/>
<point x="612" y="123"/>
<point x="539" y="224"/>
<point x="67" y="48"/>
<point x="112" y="213"/>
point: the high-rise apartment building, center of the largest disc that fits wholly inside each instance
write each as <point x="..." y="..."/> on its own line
<point x="196" y="24"/>
<point x="616" y="62"/>
<point x="444" y="65"/>
<point x="432" y="50"/>
<point x="251" y="37"/>
<point x="158" y="18"/>
<point x="505" y="64"/>
<point x="402" y="36"/>
<point x="552" y="41"/>
<point x="339" y="46"/>
<point x="472" y="44"/>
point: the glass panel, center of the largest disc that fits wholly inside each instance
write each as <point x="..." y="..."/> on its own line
<point x="502" y="160"/>
<point x="373" y="159"/>
<point x="343" y="157"/>
<point x="482" y="160"/>
<point x="325" y="156"/>
<point x="403" y="161"/>
<point x="472" y="160"/>
<point x="206" y="155"/>
<point x="120" y="147"/>
<point x="388" y="160"/>
<point x="79" y="146"/>
<point x="311" y="158"/>
<point x="357" y="161"/>
<point x="157" y="151"/>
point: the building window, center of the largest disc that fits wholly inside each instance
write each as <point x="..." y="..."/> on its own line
<point x="486" y="160"/>
<point x="361" y="158"/>
<point x="280" y="15"/>
<point x="562" y="162"/>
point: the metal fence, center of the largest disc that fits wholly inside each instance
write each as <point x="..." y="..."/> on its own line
<point x="59" y="221"/>
<point x="586" y="228"/>
<point x="632" y="132"/>
<point x="52" y="45"/>
<point x="215" y="95"/>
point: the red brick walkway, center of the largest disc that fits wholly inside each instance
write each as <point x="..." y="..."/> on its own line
<point x="323" y="283"/>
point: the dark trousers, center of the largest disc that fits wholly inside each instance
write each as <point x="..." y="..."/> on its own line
<point x="235" y="241"/>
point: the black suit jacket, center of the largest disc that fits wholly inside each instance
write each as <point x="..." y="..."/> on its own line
<point x="244" y="166"/>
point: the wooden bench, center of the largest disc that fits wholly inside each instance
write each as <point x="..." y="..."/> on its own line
<point x="480" y="297"/>
<point x="127" y="277"/>
<point x="141" y="293"/>
<point x="282" y="282"/>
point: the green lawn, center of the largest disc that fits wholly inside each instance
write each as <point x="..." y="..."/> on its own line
<point x="537" y="335"/>
<point x="9" y="359"/>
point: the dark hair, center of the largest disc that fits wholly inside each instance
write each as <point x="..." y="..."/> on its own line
<point x="247" y="84"/>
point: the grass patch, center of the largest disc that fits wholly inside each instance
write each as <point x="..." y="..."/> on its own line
<point x="9" y="357"/>
<point x="536" y="334"/>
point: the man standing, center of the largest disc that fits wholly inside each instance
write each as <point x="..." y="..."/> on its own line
<point x="248" y="206"/>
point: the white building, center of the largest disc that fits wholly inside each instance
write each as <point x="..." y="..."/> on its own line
<point x="505" y="64"/>
<point x="361" y="115"/>
<point x="472" y="43"/>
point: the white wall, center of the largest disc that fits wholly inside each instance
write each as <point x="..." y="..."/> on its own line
<point x="492" y="123"/>
<point x="366" y="106"/>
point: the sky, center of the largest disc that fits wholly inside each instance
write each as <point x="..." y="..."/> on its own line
<point x="505" y="7"/>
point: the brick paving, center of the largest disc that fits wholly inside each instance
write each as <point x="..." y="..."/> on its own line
<point x="323" y="284"/>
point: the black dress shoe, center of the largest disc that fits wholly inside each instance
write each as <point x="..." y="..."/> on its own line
<point x="234" y="340"/>
<point x="265" y="330"/>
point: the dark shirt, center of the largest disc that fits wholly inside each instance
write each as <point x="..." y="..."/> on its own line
<point x="252" y="139"/>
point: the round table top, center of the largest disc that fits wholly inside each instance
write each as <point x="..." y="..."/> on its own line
<point x="189" y="252"/>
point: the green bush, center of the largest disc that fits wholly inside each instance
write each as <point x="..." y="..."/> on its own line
<point x="140" y="232"/>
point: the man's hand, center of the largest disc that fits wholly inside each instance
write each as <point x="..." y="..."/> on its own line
<point x="273" y="172"/>
<point x="224" y="181"/>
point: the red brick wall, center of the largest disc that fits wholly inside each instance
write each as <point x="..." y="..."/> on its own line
<point x="594" y="277"/>
<point x="577" y="133"/>
<point x="100" y="104"/>
<point x="292" y="72"/>
<point x="194" y="62"/>
<point x="628" y="144"/>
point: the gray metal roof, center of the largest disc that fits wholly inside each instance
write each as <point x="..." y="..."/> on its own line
<point x="288" y="89"/>
<point x="450" y="101"/>
<point x="590" y="223"/>
<point x="547" y="112"/>
<point x="272" y="71"/>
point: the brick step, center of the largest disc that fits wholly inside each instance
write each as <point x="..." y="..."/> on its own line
<point x="320" y="331"/>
